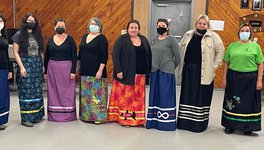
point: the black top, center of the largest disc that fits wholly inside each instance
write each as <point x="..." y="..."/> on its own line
<point x="66" y="51"/>
<point x="4" y="57"/>
<point x="140" y="59"/>
<point x="124" y="59"/>
<point x="92" y="54"/>
<point x="194" y="50"/>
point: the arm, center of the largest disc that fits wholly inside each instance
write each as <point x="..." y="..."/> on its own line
<point x="104" y="53"/>
<point x="116" y="57"/>
<point x="219" y="50"/>
<point x="260" y="74"/>
<point x="23" y="71"/>
<point x="226" y="66"/>
<point x="176" y="51"/>
<point x="46" y="61"/>
<point x="10" y="69"/>
<point x="74" y="58"/>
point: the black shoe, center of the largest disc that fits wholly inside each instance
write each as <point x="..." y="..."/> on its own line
<point x="229" y="131"/>
<point x="247" y="132"/>
<point x="2" y="127"/>
<point x="27" y="124"/>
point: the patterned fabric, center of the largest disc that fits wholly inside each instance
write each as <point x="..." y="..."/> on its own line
<point x="30" y="90"/>
<point x="61" y="92"/>
<point x="4" y="97"/>
<point x="93" y="99"/>
<point x="127" y="102"/>
<point x="242" y="102"/>
<point x="162" y="101"/>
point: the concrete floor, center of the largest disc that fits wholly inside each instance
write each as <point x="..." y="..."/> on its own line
<point x="78" y="135"/>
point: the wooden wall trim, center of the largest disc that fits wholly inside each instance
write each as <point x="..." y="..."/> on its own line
<point x="142" y="14"/>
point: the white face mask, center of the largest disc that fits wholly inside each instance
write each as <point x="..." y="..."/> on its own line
<point x="94" y="28"/>
<point x="2" y="25"/>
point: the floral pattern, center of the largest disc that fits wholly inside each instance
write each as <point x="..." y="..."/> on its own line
<point x="93" y="99"/>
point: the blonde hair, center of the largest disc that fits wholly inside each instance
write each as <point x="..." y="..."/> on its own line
<point x="206" y="18"/>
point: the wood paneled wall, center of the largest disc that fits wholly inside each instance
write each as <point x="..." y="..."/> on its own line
<point x="230" y="12"/>
<point x="199" y="8"/>
<point x="6" y="8"/>
<point x="114" y="15"/>
<point x="142" y="14"/>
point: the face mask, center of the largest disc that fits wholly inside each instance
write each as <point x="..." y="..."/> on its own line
<point x="161" y="30"/>
<point x="244" y="36"/>
<point x="2" y="25"/>
<point x="201" y="31"/>
<point x="94" y="28"/>
<point x="60" y="30"/>
<point x="30" y="25"/>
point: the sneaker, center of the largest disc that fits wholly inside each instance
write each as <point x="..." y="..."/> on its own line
<point x="229" y="131"/>
<point x="27" y="124"/>
<point x="2" y="127"/>
<point x="98" y="122"/>
<point x="247" y="132"/>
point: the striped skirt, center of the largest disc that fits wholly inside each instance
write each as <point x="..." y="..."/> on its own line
<point x="93" y="99"/>
<point x="127" y="102"/>
<point x="30" y="90"/>
<point x="162" y="102"/>
<point x="242" y="102"/>
<point x="61" y="92"/>
<point x="4" y="97"/>
<point x="195" y="100"/>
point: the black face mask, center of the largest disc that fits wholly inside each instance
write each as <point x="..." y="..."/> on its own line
<point x="30" y="25"/>
<point x="60" y="30"/>
<point x="201" y="31"/>
<point x="161" y="30"/>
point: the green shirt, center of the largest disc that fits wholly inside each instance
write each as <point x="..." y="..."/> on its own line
<point x="243" y="57"/>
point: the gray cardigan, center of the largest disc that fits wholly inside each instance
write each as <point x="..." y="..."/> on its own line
<point x="124" y="59"/>
<point x="165" y="55"/>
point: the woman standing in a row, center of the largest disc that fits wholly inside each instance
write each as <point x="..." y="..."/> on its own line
<point x="243" y="80"/>
<point x="5" y="74"/>
<point x="162" y="97"/>
<point x="93" y="57"/>
<point x="60" y="67"/>
<point x="28" y="46"/>
<point x="202" y="52"/>
<point x="132" y="64"/>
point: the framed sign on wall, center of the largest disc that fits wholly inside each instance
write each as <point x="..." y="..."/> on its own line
<point x="256" y="5"/>
<point x="244" y="4"/>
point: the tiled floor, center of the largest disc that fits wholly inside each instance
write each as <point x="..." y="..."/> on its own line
<point x="78" y="135"/>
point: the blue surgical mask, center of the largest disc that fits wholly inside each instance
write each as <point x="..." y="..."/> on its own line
<point x="94" y="28"/>
<point x="244" y="36"/>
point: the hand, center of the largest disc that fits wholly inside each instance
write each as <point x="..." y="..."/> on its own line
<point x="45" y="76"/>
<point x="259" y="85"/>
<point x="224" y="82"/>
<point x="98" y="75"/>
<point x="72" y="76"/>
<point x="43" y="69"/>
<point x="9" y="75"/>
<point x="120" y="75"/>
<point x="23" y="72"/>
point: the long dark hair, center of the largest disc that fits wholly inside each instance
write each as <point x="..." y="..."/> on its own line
<point x="36" y="33"/>
<point x="3" y="31"/>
